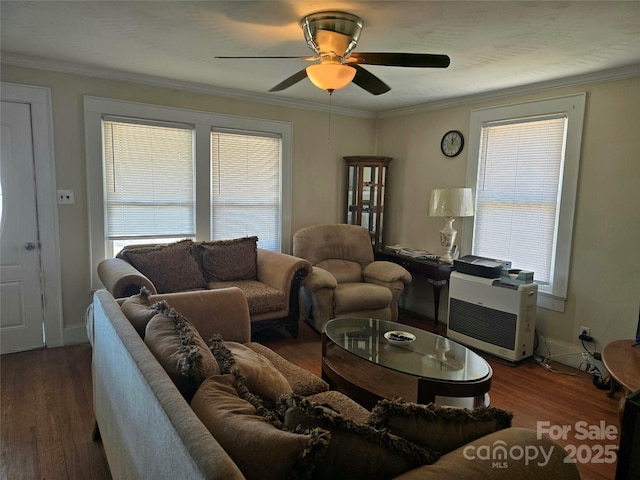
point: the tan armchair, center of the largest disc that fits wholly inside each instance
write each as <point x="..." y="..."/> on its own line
<point x="345" y="280"/>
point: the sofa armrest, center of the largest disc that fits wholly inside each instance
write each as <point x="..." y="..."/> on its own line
<point x="320" y="278"/>
<point x="386" y="272"/>
<point x="503" y="455"/>
<point x="121" y="279"/>
<point x="223" y="310"/>
<point x="278" y="270"/>
<point x="147" y="428"/>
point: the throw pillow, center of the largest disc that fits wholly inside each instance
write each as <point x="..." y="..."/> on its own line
<point x="302" y="382"/>
<point x="171" y="268"/>
<point x="355" y="450"/>
<point x="139" y="311"/>
<point x="258" y="448"/>
<point x="180" y="349"/>
<point x="260" y="376"/>
<point x="442" y="429"/>
<point x="342" y="405"/>
<point x="229" y="260"/>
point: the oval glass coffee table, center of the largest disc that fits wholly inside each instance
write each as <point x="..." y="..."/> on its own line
<point x="360" y="361"/>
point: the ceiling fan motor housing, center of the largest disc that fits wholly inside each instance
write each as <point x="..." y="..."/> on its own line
<point x="332" y="32"/>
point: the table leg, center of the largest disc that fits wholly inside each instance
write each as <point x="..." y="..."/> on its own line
<point x="437" y="287"/>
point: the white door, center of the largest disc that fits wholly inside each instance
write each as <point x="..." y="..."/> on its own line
<point x="21" y="306"/>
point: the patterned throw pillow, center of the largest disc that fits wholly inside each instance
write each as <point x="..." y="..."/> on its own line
<point x="171" y="268"/>
<point x="355" y="450"/>
<point x="229" y="260"/>
<point x="180" y="349"/>
<point x="442" y="429"/>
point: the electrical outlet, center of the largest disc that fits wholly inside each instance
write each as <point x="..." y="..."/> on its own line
<point x="585" y="331"/>
<point x="65" y="197"/>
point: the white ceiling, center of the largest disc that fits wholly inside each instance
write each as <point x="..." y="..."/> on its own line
<point x="494" y="46"/>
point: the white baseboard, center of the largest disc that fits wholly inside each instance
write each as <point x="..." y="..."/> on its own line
<point x="567" y="354"/>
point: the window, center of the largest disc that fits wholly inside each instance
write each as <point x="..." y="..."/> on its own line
<point x="149" y="188"/>
<point x="523" y="169"/>
<point x="245" y="187"/>
<point x="162" y="174"/>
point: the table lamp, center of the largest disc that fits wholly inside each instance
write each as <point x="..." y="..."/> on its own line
<point x="450" y="203"/>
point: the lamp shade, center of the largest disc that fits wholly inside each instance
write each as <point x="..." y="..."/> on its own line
<point x="330" y="76"/>
<point x="451" y="202"/>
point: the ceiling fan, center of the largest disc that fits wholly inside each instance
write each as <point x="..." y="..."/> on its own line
<point x="332" y="35"/>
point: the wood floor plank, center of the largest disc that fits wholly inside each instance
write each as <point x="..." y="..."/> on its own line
<point x="47" y="415"/>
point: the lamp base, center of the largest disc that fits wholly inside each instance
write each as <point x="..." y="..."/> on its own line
<point x="447" y="238"/>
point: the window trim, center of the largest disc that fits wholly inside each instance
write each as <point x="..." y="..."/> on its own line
<point x="95" y="108"/>
<point x="573" y="106"/>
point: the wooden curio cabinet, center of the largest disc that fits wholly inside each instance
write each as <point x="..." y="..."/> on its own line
<point x="366" y="182"/>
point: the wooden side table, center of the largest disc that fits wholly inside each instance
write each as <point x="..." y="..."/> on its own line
<point x="437" y="274"/>
<point x="622" y="361"/>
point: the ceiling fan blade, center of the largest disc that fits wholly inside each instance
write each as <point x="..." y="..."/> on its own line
<point x="297" y="58"/>
<point x="369" y="81"/>
<point x="292" y="80"/>
<point x="421" y="60"/>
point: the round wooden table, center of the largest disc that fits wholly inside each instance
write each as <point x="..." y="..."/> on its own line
<point x="622" y="360"/>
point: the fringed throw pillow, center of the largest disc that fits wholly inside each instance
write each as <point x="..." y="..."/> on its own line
<point x="171" y="268"/>
<point x="355" y="450"/>
<point x="228" y="260"/>
<point x="260" y="376"/>
<point x="259" y="449"/>
<point x="439" y="428"/>
<point x="139" y="311"/>
<point x="180" y="349"/>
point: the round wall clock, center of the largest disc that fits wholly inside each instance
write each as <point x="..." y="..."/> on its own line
<point x="452" y="143"/>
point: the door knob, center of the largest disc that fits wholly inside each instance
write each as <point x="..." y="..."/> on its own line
<point x="30" y="246"/>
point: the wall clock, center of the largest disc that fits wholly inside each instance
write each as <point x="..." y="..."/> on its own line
<point x="452" y="143"/>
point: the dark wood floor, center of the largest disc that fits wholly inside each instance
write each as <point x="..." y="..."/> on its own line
<point x="47" y="417"/>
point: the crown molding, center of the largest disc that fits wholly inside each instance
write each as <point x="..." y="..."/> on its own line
<point x="115" y="74"/>
<point x="621" y="73"/>
<point x="59" y="66"/>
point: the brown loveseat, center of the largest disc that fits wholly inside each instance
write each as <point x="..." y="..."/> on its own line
<point x="270" y="280"/>
<point x="149" y="430"/>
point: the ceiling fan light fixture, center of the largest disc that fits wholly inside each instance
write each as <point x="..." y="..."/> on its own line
<point x="330" y="76"/>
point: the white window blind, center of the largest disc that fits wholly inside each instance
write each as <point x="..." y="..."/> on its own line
<point x="246" y="186"/>
<point x="149" y="179"/>
<point x="518" y="192"/>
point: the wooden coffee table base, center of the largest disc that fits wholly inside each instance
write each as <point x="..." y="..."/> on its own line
<point x="367" y="383"/>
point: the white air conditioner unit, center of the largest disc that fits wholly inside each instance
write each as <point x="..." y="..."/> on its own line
<point x="492" y="316"/>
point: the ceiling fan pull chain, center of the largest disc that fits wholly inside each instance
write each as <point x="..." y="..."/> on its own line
<point x="330" y="113"/>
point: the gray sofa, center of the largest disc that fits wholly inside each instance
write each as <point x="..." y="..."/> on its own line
<point x="149" y="430"/>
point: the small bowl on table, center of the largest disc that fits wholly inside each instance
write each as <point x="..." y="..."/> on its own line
<point x="398" y="337"/>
